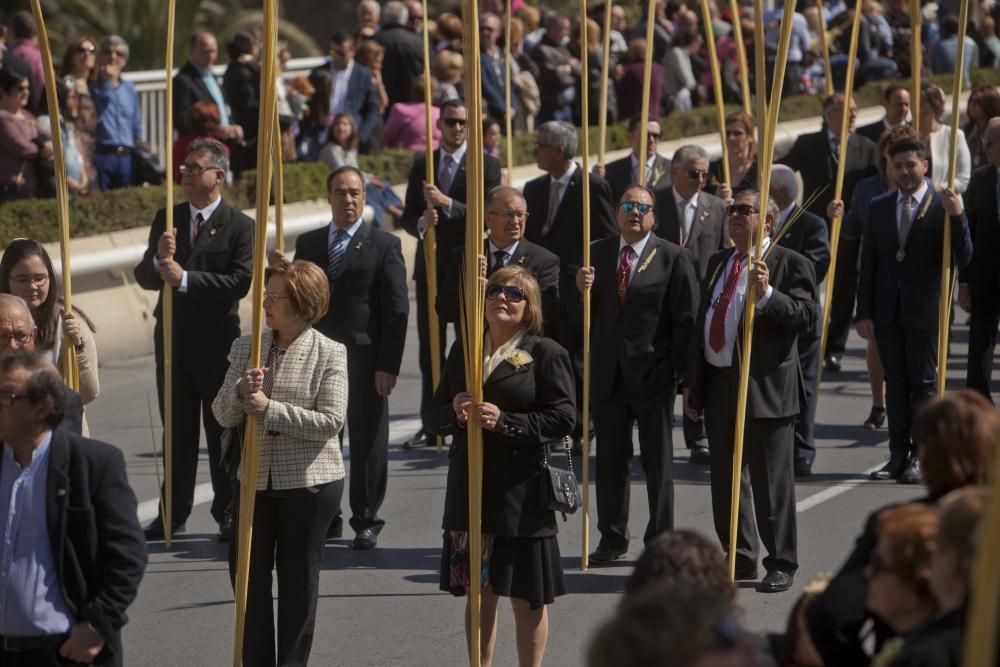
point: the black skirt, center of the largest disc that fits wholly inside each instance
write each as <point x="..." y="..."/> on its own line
<point x="527" y="568"/>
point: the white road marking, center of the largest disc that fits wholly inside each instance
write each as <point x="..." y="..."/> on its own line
<point x="398" y="430"/>
<point x="834" y="491"/>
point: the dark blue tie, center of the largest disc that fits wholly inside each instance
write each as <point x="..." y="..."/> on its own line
<point x="337" y="249"/>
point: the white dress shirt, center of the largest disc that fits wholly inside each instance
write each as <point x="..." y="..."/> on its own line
<point x="494" y="248"/>
<point x="561" y="183"/>
<point x="685" y="212"/>
<point x="638" y="247"/>
<point x="915" y="200"/>
<point x="341" y="80"/>
<point x="724" y="357"/>
<point x="351" y="231"/>
<point x="206" y="213"/>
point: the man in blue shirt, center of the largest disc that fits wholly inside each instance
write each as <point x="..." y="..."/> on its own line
<point x="195" y="82"/>
<point x="119" y="119"/>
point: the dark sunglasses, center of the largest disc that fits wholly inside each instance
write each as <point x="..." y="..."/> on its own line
<point x="697" y="174"/>
<point x="86" y="49"/>
<point x="630" y="206"/>
<point x="452" y="122"/>
<point x="512" y="293"/>
<point x="745" y="210"/>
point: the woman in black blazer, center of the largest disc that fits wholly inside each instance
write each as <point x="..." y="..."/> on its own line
<point x="528" y="402"/>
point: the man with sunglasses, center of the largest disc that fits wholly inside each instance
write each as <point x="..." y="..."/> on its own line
<point x="207" y="260"/>
<point x="624" y="172"/>
<point x="441" y="205"/>
<point x="784" y="286"/>
<point x="119" y="118"/>
<point x="644" y="296"/>
<point x="696" y="221"/>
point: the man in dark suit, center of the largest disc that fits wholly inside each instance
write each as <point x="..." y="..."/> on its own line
<point x="785" y="289"/>
<point x="644" y="300"/>
<point x="694" y="220"/>
<point x="979" y="291"/>
<point x="443" y="206"/>
<point x="814" y="156"/>
<point x="353" y="92"/>
<point x="899" y="292"/>
<point x="896" y="100"/>
<point x="195" y="82"/>
<point x="624" y="172"/>
<point x="207" y="260"/>
<point x="555" y="222"/>
<point x="73" y="544"/>
<point x="404" y="53"/>
<point x="797" y="229"/>
<point x="506" y="214"/>
<point x="368" y="310"/>
<point x="558" y="71"/>
<point x="491" y="64"/>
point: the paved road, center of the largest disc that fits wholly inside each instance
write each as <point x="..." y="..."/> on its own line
<point x="383" y="607"/>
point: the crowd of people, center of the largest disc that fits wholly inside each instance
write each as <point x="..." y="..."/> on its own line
<point x="671" y="269"/>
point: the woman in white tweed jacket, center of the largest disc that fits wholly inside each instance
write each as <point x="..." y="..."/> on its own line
<point x="299" y="400"/>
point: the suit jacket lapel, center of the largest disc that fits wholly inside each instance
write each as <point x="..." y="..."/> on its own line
<point x="354" y="248"/>
<point x="458" y="180"/>
<point x="56" y="495"/>
<point x="571" y="187"/>
<point x="638" y="277"/>
<point x="700" y="213"/>
<point x="212" y="226"/>
<point x="918" y="215"/>
<point x="505" y="369"/>
<point x="659" y="172"/>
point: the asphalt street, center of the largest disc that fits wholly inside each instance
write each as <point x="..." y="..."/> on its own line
<point x="383" y="607"/>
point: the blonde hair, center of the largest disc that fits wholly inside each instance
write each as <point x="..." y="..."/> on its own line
<point x="523" y="278"/>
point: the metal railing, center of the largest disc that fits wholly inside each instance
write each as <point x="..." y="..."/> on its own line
<point x="152" y="88"/>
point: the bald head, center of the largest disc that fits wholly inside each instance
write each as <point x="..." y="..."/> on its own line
<point x="17" y="327"/>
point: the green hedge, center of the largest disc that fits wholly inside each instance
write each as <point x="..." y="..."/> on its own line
<point x="135" y="207"/>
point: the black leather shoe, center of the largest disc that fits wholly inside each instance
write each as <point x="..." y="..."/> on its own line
<point x="746" y="574"/>
<point x="226" y="527"/>
<point x="419" y="439"/>
<point x="775" y="581"/>
<point x="910" y="473"/>
<point x="154" y="531"/>
<point x="891" y="470"/>
<point x="876" y="418"/>
<point x="365" y="539"/>
<point x="803" y="468"/>
<point x="833" y="363"/>
<point x="700" y="455"/>
<point x="605" y="554"/>
<point x="336" y="529"/>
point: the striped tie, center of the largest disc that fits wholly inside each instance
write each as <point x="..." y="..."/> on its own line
<point x="337" y="249"/>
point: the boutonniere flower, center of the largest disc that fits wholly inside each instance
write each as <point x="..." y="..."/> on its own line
<point x="518" y="358"/>
<point x="212" y="232"/>
<point x="658" y="173"/>
<point x="521" y="260"/>
<point x="704" y="215"/>
<point x="357" y="246"/>
<point x="642" y="267"/>
<point x="927" y="205"/>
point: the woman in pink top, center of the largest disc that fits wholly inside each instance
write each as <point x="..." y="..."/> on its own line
<point x="20" y="146"/>
<point x="405" y="127"/>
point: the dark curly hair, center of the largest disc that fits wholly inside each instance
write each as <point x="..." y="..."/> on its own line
<point x="681" y="556"/>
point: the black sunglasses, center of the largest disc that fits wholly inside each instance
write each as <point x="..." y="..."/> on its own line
<point x="745" y="210"/>
<point x="630" y="206"/>
<point x="452" y="122"/>
<point x="697" y="174"/>
<point x="512" y="293"/>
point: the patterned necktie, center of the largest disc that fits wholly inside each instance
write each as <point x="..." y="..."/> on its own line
<point x="199" y="224"/>
<point x="905" y="220"/>
<point x="337" y="250"/>
<point x="717" y="330"/>
<point x="835" y="148"/>
<point x="624" y="269"/>
<point x="445" y="174"/>
<point x="274" y="356"/>
<point x="499" y="260"/>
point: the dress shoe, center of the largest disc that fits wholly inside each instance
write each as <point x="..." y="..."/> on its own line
<point x="876" y="418"/>
<point x="365" y="539"/>
<point x="154" y="531"/>
<point x="833" y="363"/>
<point x="605" y="554"/>
<point x="419" y="439"/>
<point x="336" y="529"/>
<point x="910" y="473"/>
<point x="700" y="455"/>
<point x="775" y="581"/>
<point x="891" y="470"/>
<point x="226" y="527"/>
<point x="803" y="468"/>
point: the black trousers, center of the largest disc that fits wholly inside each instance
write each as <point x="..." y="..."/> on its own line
<point x="613" y="421"/>
<point x="909" y="359"/>
<point x="845" y="290"/>
<point x="985" y="318"/>
<point x="195" y="385"/>
<point x="289" y="530"/>
<point x="368" y="428"/>
<point x="767" y="482"/>
<point x="805" y="421"/>
<point x="424" y="341"/>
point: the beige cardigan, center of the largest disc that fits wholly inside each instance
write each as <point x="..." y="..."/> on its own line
<point x="297" y="437"/>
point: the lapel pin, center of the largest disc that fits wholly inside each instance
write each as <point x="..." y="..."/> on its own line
<point x="212" y="232"/>
<point x="60" y="492"/>
<point x="358" y="246"/>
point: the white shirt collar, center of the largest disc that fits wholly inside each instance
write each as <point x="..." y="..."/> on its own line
<point x="634" y="161"/>
<point x="509" y="249"/>
<point x="638" y="246"/>
<point x="351" y="231"/>
<point x="678" y="198"/>
<point x="334" y="72"/>
<point x="918" y="195"/>
<point x="206" y="212"/>
<point x="565" y="178"/>
<point x="457" y="155"/>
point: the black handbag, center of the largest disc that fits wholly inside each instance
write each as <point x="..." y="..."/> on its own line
<point x="559" y="491"/>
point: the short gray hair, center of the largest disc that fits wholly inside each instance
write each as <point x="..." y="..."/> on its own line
<point x="371" y="4"/>
<point x="686" y="153"/>
<point x="214" y="149"/>
<point x="500" y="191"/>
<point x="9" y="302"/>
<point x="111" y="41"/>
<point x="395" y="13"/>
<point x="559" y="133"/>
<point x="784" y="178"/>
<point x="772" y="206"/>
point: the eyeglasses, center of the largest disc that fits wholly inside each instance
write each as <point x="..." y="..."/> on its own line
<point x="7" y="398"/>
<point x="453" y="122"/>
<point x="36" y="281"/>
<point x="512" y="293"/>
<point x="744" y="210"/>
<point x="697" y="174"/>
<point x="196" y="169"/>
<point x="653" y="135"/>
<point x="510" y="215"/>
<point x="275" y="296"/>
<point x="21" y="337"/>
<point x="86" y="49"/>
<point x="630" y="206"/>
